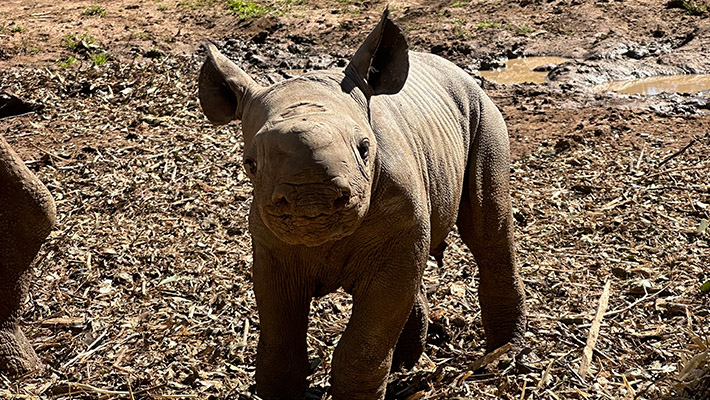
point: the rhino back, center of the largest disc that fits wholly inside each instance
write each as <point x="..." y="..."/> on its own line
<point x="424" y="134"/>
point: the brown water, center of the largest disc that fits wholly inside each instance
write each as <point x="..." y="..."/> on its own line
<point x="520" y="70"/>
<point x="658" y="84"/>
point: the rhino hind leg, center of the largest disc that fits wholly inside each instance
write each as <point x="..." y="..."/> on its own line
<point x="410" y="344"/>
<point x="485" y="224"/>
<point x="438" y="253"/>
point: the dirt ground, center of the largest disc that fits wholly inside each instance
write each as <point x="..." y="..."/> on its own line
<point x="144" y="290"/>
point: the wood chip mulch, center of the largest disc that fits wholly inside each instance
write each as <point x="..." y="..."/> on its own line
<point x="144" y="290"/>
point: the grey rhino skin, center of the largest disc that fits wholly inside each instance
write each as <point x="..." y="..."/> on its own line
<point x="358" y="176"/>
<point x="27" y="215"/>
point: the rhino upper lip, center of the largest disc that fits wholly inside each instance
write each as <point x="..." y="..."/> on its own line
<point x="312" y="217"/>
<point x="302" y="216"/>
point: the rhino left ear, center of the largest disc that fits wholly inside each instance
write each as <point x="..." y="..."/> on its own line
<point x="381" y="64"/>
<point x="223" y="87"/>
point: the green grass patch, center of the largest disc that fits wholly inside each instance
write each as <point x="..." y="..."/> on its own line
<point x="76" y="43"/>
<point x="68" y="62"/>
<point x="520" y="29"/>
<point x="17" y="29"/>
<point x="196" y="3"/>
<point x="525" y="29"/>
<point x="459" y="29"/>
<point x="460" y="32"/>
<point x="27" y="48"/>
<point x="141" y="35"/>
<point x="100" y="58"/>
<point x="95" y="10"/>
<point x="246" y="9"/>
<point x="488" y="25"/>
<point x="243" y="9"/>
<point x="460" y="3"/>
<point x="695" y="7"/>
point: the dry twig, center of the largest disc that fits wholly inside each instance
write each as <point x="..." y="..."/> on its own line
<point x="594" y="331"/>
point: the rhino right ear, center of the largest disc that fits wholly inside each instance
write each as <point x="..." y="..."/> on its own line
<point x="381" y="64"/>
<point x="223" y="87"/>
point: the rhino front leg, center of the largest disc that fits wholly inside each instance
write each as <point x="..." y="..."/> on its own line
<point x="381" y="306"/>
<point x="486" y="226"/>
<point x="16" y="354"/>
<point x="283" y="304"/>
<point x="27" y="215"/>
<point x="410" y="344"/>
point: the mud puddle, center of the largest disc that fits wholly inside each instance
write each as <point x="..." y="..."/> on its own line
<point x="523" y="70"/>
<point x="660" y="84"/>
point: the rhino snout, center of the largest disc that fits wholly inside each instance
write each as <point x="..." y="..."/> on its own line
<point x="312" y="199"/>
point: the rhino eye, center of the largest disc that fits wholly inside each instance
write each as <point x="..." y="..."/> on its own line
<point x="250" y="165"/>
<point x="364" y="148"/>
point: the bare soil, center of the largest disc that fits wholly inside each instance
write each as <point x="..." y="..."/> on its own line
<point x="144" y="291"/>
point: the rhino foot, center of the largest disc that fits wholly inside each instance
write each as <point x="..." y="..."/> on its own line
<point x="16" y="355"/>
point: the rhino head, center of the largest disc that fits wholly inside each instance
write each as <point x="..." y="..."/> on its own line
<point x="309" y="148"/>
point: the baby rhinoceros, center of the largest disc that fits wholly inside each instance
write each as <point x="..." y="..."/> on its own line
<point x="359" y="174"/>
<point x="27" y="215"/>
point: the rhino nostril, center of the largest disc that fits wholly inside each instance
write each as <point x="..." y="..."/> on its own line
<point x="279" y="198"/>
<point x="342" y="201"/>
<point x="344" y="190"/>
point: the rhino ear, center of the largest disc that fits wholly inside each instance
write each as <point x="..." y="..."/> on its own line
<point x="223" y="87"/>
<point x="381" y="64"/>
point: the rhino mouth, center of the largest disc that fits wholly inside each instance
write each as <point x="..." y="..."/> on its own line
<point x="313" y="229"/>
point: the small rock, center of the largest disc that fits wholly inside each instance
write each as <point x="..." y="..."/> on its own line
<point x="562" y="145"/>
<point x="458" y="321"/>
<point x="670" y="307"/>
<point x="439" y="48"/>
<point x="153" y="53"/>
<point x="259" y="61"/>
<point x="584" y="189"/>
<point x="545" y="68"/>
<point x="295" y="48"/>
<point x="619" y="272"/>
<point x="12" y="105"/>
<point x="487" y="65"/>
<point x="578" y="139"/>
<point x="513" y="53"/>
<point x="675" y="4"/>
<point x="260" y="37"/>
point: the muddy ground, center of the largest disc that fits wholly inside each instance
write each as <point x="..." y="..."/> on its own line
<point x="143" y="290"/>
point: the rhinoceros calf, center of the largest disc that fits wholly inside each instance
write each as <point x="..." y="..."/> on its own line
<point x="27" y="215"/>
<point x="358" y="175"/>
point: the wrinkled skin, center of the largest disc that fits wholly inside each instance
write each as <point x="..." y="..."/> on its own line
<point x="358" y="176"/>
<point x="27" y="215"/>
